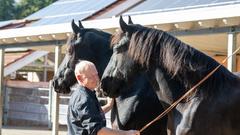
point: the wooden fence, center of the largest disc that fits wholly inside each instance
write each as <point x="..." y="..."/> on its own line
<point x="28" y="103"/>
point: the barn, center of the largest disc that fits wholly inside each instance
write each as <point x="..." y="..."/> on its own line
<point x="211" y="26"/>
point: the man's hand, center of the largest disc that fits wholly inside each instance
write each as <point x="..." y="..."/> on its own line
<point x="132" y="132"/>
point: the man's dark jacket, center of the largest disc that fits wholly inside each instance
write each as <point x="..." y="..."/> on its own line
<point x="85" y="116"/>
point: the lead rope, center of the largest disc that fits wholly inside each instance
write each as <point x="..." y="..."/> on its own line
<point x="188" y="92"/>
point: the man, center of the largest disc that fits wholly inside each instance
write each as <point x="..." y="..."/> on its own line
<point x="85" y="116"/>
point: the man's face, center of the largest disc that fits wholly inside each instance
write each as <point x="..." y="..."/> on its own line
<point x="90" y="78"/>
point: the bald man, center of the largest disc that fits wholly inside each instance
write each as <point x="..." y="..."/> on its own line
<point x="85" y="115"/>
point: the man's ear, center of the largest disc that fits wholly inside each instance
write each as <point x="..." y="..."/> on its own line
<point x="79" y="77"/>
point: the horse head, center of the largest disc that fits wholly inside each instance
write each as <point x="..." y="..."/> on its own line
<point x="84" y="44"/>
<point x="120" y="69"/>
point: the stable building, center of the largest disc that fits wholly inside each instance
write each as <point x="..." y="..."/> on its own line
<point x="210" y="26"/>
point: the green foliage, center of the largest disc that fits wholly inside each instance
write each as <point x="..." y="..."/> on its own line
<point x="27" y="7"/>
<point x="11" y="10"/>
<point x="7" y="9"/>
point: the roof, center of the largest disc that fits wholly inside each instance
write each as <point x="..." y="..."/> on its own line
<point x="189" y="20"/>
<point x="65" y="11"/>
<point x="153" y="6"/>
<point x="11" y="24"/>
<point x="115" y="9"/>
<point x="16" y="60"/>
<point x="4" y="23"/>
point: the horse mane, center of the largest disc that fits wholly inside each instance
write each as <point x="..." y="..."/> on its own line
<point x="70" y="46"/>
<point x="155" y="47"/>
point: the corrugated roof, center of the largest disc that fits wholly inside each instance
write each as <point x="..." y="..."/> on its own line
<point x="206" y="14"/>
<point x="152" y="6"/>
<point x="14" y="56"/>
<point x="65" y="11"/>
<point x="16" y="60"/>
<point x="15" y="24"/>
<point x="115" y="9"/>
<point x="4" y="23"/>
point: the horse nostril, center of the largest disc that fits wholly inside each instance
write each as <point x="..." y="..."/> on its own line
<point x="54" y="83"/>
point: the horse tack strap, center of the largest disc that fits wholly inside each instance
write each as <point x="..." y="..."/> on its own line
<point x="193" y="89"/>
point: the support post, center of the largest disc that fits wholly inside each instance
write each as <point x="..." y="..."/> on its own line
<point x="45" y="68"/>
<point x="1" y="85"/>
<point x="50" y="107"/>
<point x="231" y="65"/>
<point x="55" y="113"/>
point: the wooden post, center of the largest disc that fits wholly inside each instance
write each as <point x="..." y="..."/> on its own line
<point x="55" y="108"/>
<point x="231" y="48"/>
<point x="1" y="85"/>
<point x="45" y="68"/>
<point x="50" y="105"/>
<point x="6" y="104"/>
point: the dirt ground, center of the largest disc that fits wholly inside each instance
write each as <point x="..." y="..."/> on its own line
<point x="30" y="131"/>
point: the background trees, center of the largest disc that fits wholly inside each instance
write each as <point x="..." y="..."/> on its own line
<point x="7" y="9"/>
<point x="11" y="9"/>
<point x="27" y="7"/>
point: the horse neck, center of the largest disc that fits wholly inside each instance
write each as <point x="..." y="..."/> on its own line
<point x="192" y="67"/>
<point x="168" y="89"/>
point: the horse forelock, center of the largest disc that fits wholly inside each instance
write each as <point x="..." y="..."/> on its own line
<point x="70" y="43"/>
<point x="116" y="37"/>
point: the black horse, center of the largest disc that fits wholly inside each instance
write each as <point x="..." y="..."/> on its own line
<point x="175" y="67"/>
<point x="132" y="110"/>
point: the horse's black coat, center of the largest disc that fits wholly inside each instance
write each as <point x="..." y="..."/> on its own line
<point x="175" y="67"/>
<point x="132" y="110"/>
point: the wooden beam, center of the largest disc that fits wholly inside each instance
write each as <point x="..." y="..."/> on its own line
<point x="231" y="48"/>
<point x="55" y="112"/>
<point x="1" y="86"/>
<point x="34" y="44"/>
<point x="205" y="31"/>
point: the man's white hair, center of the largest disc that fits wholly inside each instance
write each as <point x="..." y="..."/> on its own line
<point x="83" y="66"/>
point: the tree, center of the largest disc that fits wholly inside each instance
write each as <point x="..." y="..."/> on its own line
<point x="7" y="9"/>
<point x="27" y="7"/>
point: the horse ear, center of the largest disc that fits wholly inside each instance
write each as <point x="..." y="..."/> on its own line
<point x="130" y="20"/>
<point x="80" y="24"/>
<point x="124" y="27"/>
<point x="75" y="28"/>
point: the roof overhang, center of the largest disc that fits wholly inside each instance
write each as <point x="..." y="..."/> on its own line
<point x="21" y="62"/>
<point x="207" y="18"/>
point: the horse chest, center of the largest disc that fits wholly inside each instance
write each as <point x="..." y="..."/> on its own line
<point x="187" y="111"/>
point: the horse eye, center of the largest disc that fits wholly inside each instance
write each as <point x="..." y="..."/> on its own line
<point x="77" y="41"/>
<point x="68" y="64"/>
<point x="120" y="48"/>
<point x="116" y="48"/>
<point x="78" y="35"/>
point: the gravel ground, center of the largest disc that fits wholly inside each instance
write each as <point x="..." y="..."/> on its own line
<point x="30" y="131"/>
<point x="17" y="130"/>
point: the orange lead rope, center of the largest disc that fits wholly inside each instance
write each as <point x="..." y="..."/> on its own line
<point x="188" y="92"/>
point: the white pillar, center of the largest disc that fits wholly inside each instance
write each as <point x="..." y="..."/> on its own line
<point x="231" y="48"/>
<point x="55" y="113"/>
<point x="50" y="105"/>
<point x="45" y="68"/>
<point x="1" y="86"/>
